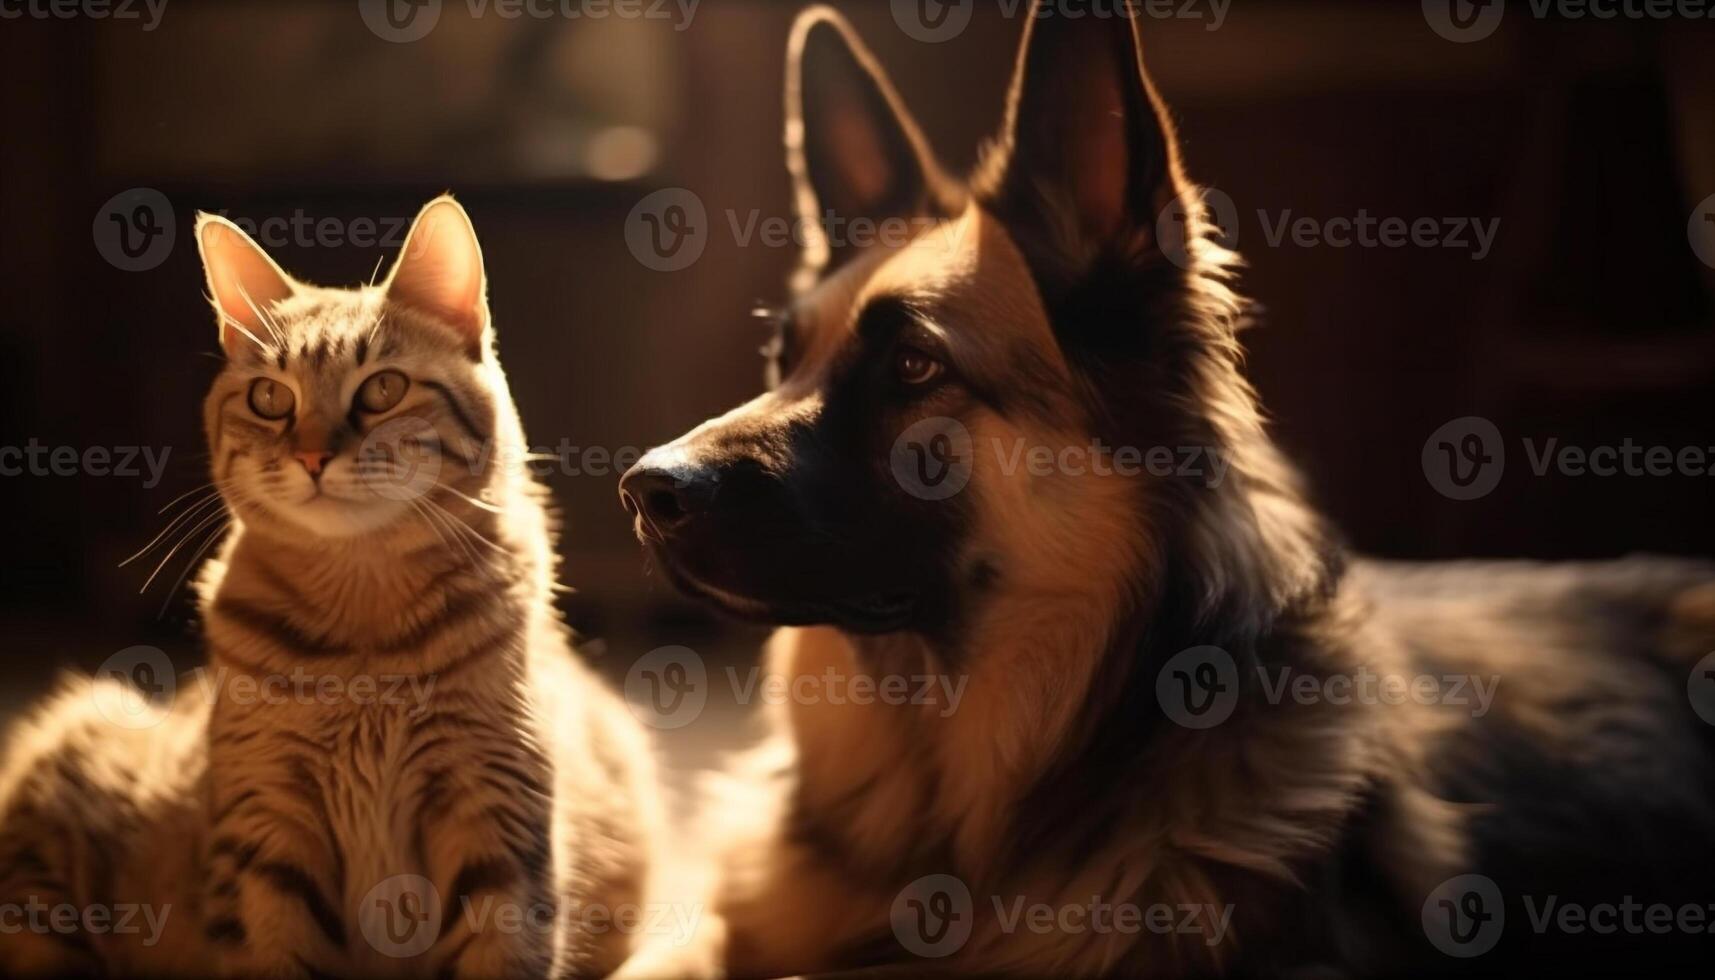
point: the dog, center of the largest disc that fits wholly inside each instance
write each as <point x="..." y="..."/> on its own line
<point x="1160" y="761"/>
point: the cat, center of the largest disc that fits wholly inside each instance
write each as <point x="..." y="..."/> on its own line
<point x="393" y="765"/>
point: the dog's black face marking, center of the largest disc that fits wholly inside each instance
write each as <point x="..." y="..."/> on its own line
<point x="791" y="509"/>
<point x="792" y="514"/>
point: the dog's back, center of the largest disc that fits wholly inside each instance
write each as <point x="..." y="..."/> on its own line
<point x="1589" y="780"/>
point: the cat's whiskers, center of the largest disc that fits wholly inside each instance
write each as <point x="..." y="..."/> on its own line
<point x="376" y="328"/>
<point x="218" y="487"/>
<point x="214" y="536"/>
<point x="473" y="501"/>
<point x="462" y="523"/>
<point x="267" y="322"/>
<point x="216" y="484"/>
<point x="438" y="514"/>
<point x="418" y="508"/>
<point x="235" y="324"/>
<point x="211" y="518"/>
<point x="481" y="552"/>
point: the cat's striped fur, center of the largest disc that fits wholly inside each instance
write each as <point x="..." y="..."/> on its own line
<point x="404" y="770"/>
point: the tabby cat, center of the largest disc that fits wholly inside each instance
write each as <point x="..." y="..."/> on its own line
<point x="392" y="765"/>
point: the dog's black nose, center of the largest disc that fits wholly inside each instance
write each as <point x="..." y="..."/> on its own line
<point x="666" y="497"/>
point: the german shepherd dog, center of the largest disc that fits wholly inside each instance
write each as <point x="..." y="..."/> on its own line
<point x="1091" y="611"/>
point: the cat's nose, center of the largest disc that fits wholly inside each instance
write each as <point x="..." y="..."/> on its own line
<point x="666" y="498"/>
<point x="314" y="460"/>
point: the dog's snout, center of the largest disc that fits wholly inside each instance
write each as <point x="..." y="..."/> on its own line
<point x="666" y="498"/>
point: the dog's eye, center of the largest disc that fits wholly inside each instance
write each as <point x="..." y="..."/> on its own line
<point x="382" y="391"/>
<point x="270" y="399"/>
<point x="914" y="367"/>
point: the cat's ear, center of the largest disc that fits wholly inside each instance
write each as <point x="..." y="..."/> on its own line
<point x="852" y="147"/>
<point x="1087" y="154"/>
<point x="243" y="282"/>
<point x="439" y="272"/>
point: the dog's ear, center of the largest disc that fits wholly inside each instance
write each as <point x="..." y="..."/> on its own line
<point x="1087" y="156"/>
<point x="853" y="149"/>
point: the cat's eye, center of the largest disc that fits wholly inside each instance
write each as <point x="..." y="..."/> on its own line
<point x="914" y="367"/>
<point x="381" y="391"/>
<point x="270" y="399"/>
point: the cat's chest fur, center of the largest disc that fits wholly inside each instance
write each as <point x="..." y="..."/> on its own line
<point x="358" y="778"/>
<point x="361" y="770"/>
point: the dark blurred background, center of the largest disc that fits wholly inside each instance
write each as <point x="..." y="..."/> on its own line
<point x="1590" y="321"/>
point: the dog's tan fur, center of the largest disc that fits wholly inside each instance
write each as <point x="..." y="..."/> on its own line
<point x="1031" y="789"/>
